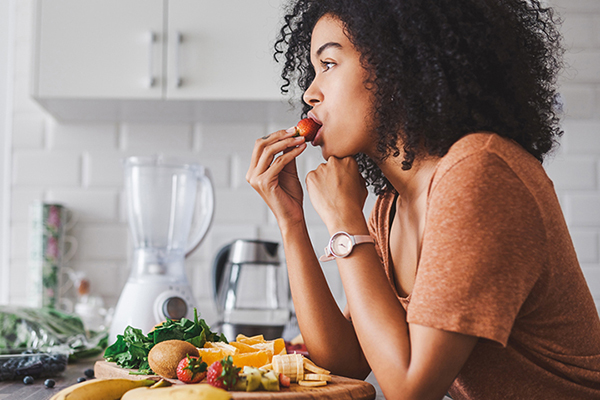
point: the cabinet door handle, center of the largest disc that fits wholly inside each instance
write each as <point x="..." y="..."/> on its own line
<point x="152" y="37"/>
<point x="178" y="40"/>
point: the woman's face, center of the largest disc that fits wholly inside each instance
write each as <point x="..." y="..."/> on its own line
<point x="340" y="100"/>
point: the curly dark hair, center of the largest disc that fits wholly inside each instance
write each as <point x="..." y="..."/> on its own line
<point x="441" y="69"/>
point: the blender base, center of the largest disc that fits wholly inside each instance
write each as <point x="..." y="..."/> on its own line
<point x="146" y="303"/>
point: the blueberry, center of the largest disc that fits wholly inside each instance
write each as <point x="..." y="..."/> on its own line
<point x="89" y="373"/>
<point x="49" y="383"/>
<point x="81" y="379"/>
<point x="28" y="380"/>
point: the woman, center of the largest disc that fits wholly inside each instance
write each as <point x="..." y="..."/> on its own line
<point x="470" y="283"/>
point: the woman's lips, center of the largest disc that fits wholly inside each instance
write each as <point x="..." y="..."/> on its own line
<point x="317" y="139"/>
<point x="314" y="118"/>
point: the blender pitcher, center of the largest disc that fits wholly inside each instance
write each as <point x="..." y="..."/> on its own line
<point x="164" y="197"/>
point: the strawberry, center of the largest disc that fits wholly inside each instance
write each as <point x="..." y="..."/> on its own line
<point x="223" y="374"/>
<point x="308" y="128"/>
<point x="284" y="380"/>
<point x="191" y="369"/>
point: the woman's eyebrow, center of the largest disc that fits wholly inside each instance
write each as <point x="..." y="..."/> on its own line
<point x="327" y="45"/>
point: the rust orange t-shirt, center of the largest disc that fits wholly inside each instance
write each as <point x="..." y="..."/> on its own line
<point x="497" y="262"/>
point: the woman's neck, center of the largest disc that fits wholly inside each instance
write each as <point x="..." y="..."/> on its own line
<point x="413" y="184"/>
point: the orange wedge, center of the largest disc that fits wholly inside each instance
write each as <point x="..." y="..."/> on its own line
<point x="279" y="346"/>
<point x="227" y="349"/>
<point x="250" y="340"/>
<point x="256" y="359"/>
<point x="243" y="347"/>
<point x="270" y="346"/>
<point x="210" y="355"/>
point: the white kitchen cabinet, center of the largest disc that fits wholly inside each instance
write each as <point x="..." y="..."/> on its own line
<point x="222" y="49"/>
<point x="98" y="49"/>
<point x="108" y="57"/>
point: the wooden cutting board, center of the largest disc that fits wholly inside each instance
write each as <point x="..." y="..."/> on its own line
<point x="339" y="388"/>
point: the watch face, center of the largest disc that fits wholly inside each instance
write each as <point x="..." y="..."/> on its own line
<point x="341" y="245"/>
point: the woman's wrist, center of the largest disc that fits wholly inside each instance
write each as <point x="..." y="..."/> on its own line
<point x="287" y="226"/>
<point x="353" y="226"/>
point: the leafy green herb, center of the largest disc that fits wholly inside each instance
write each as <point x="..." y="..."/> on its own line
<point x="131" y="349"/>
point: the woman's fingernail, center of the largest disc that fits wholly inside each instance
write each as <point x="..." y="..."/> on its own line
<point x="291" y="130"/>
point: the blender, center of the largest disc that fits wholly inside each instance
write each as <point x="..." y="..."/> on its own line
<point x="165" y="199"/>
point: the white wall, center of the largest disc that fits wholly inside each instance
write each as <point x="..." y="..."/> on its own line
<point x="575" y="169"/>
<point x="79" y="165"/>
<point x="6" y="68"/>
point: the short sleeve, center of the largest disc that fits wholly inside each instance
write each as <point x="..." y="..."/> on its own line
<point x="482" y="250"/>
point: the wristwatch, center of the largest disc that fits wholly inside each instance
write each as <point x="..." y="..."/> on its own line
<point x="341" y="245"/>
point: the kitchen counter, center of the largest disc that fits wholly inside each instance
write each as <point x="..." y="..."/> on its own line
<point x="37" y="390"/>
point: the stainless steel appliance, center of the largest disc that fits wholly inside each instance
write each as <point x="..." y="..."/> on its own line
<point x="251" y="289"/>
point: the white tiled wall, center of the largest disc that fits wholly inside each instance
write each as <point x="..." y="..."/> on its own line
<point x="80" y="166"/>
<point x="575" y="168"/>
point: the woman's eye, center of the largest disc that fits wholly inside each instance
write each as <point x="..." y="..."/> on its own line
<point x="326" y="65"/>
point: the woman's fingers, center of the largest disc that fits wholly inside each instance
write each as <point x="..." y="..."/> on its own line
<point x="270" y="152"/>
<point x="265" y="141"/>
<point x="262" y="176"/>
<point x="265" y="151"/>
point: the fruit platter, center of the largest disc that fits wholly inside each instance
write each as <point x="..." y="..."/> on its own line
<point x="185" y="359"/>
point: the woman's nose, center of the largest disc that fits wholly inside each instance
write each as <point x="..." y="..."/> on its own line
<point x="312" y="96"/>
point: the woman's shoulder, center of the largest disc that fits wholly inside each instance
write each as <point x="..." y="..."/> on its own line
<point x="478" y="152"/>
<point x="487" y="143"/>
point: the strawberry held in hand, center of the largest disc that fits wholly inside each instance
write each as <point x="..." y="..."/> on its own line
<point x="223" y="374"/>
<point x="191" y="369"/>
<point x="308" y="128"/>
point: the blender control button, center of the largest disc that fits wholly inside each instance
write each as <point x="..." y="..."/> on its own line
<point x="175" y="308"/>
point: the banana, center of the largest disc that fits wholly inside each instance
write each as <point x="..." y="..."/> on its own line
<point x="312" y="383"/>
<point x="100" y="389"/>
<point x="291" y="365"/>
<point x="317" y="377"/>
<point x="310" y="366"/>
<point x="198" y="391"/>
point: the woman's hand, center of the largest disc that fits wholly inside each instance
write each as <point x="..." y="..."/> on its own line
<point x="338" y="193"/>
<point x="276" y="178"/>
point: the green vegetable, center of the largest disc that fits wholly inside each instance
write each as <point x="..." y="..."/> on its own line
<point x="47" y="329"/>
<point x="131" y="349"/>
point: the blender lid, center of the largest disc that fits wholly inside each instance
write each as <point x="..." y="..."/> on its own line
<point x="159" y="160"/>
